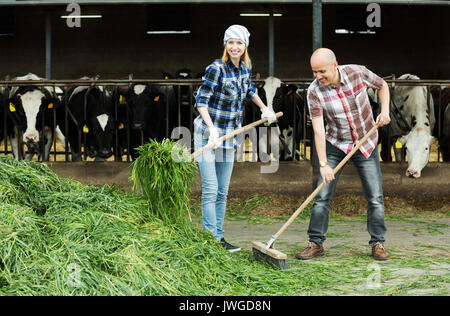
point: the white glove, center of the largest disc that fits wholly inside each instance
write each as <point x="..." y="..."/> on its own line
<point x="269" y="114"/>
<point x="214" y="137"/>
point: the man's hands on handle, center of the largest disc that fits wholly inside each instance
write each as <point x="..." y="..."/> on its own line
<point x="383" y="119"/>
<point x="327" y="173"/>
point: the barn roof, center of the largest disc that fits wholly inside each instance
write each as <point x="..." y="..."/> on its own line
<point x="81" y="2"/>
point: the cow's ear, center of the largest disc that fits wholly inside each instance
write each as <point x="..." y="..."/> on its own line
<point x="49" y="104"/>
<point x="157" y="97"/>
<point x="119" y="125"/>
<point x="13" y="102"/>
<point x="155" y="94"/>
<point x="288" y="89"/>
<point x="56" y="103"/>
<point x="123" y="95"/>
<point x="260" y="85"/>
<point x="167" y="76"/>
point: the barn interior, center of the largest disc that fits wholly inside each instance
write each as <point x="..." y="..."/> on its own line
<point x="113" y="39"/>
<point x="116" y="38"/>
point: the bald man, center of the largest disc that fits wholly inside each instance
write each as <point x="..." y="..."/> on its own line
<point x="341" y="115"/>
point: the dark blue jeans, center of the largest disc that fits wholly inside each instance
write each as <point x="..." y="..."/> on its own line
<point x="369" y="172"/>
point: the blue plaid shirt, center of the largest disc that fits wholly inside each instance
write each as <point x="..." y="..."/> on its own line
<point x="223" y="91"/>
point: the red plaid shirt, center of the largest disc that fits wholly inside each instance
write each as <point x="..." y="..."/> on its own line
<point x="346" y="109"/>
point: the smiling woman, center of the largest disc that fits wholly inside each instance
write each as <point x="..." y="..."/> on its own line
<point x="220" y="103"/>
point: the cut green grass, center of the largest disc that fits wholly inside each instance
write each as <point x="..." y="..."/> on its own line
<point x="59" y="237"/>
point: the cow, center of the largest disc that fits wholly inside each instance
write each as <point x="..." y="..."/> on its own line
<point x="31" y="116"/>
<point x="418" y="112"/>
<point x="441" y="97"/>
<point x="185" y="98"/>
<point x="412" y="123"/>
<point x="142" y="109"/>
<point x="2" y="114"/>
<point x="281" y="97"/>
<point x="388" y="135"/>
<point x="90" y="123"/>
<point x="445" y="139"/>
<point x="291" y="123"/>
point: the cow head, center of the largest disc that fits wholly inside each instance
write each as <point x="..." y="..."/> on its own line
<point x="142" y="100"/>
<point x="291" y="104"/>
<point x="417" y="143"/>
<point x="185" y="94"/>
<point x="101" y="140"/>
<point x="32" y="108"/>
<point x="183" y="73"/>
<point x="99" y="126"/>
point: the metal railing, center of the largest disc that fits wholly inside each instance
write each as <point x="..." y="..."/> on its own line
<point x="192" y="85"/>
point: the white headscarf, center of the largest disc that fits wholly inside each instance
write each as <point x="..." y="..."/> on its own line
<point x="237" y="31"/>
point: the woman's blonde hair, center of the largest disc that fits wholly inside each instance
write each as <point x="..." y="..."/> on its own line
<point x="245" y="57"/>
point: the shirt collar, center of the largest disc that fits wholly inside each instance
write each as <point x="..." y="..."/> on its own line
<point x="341" y="76"/>
<point x="341" y="79"/>
<point x="232" y="66"/>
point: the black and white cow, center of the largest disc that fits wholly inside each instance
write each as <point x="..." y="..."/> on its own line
<point x="445" y="139"/>
<point x="412" y="123"/>
<point x="282" y="97"/>
<point x="2" y="114"/>
<point x="388" y="135"/>
<point x="185" y="98"/>
<point x="418" y="112"/>
<point x="90" y="122"/>
<point x="142" y="109"/>
<point x="31" y="115"/>
<point x="441" y="96"/>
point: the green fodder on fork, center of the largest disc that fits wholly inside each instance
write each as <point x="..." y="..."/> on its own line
<point x="164" y="178"/>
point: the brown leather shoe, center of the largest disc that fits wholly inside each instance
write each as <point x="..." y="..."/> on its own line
<point x="379" y="253"/>
<point x="313" y="250"/>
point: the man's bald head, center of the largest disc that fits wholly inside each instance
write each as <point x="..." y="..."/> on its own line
<point x="324" y="66"/>
<point x="323" y="56"/>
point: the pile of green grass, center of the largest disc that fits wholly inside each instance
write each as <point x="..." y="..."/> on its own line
<point x="59" y="237"/>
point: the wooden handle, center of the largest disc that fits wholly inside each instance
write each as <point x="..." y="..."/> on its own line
<point x="232" y="134"/>
<point x="317" y="190"/>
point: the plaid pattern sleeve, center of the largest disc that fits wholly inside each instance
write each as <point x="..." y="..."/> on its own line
<point x="210" y="82"/>
<point x="223" y="91"/>
<point x="252" y="90"/>
<point x="369" y="79"/>
<point x="315" y="109"/>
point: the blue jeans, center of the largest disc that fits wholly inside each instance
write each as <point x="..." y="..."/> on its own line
<point x="215" y="167"/>
<point x="369" y="172"/>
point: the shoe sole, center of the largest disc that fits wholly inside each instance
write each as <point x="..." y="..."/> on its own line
<point x="307" y="258"/>
<point x="234" y="250"/>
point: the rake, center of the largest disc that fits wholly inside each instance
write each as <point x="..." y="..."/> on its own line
<point x="275" y="257"/>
